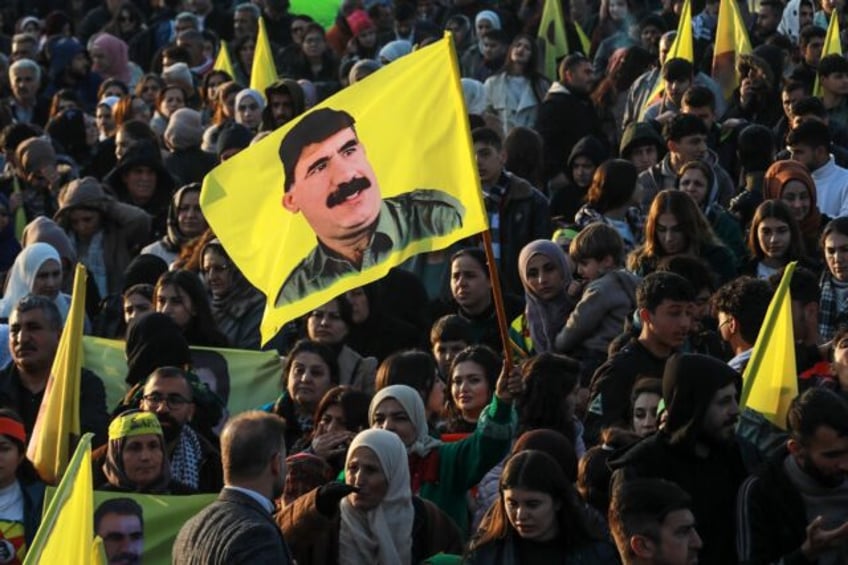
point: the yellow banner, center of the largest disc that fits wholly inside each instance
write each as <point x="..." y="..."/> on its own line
<point x="263" y="71"/>
<point x="222" y="61"/>
<point x="377" y="173"/>
<point x="731" y="41"/>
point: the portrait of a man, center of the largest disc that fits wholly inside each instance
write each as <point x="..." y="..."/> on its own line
<point x="120" y="523"/>
<point x="329" y="179"/>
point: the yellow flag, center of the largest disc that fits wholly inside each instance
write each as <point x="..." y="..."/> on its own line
<point x="731" y="41"/>
<point x="832" y="45"/>
<point x="66" y="533"/>
<point x="770" y="381"/>
<point x="552" y="38"/>
<point x="57" y="427"/>
<point x="20" y="213"/>
<point x="584" y="39"/>
<point x="222" y="61"/>
<point x="263" y="72"/>
<point x="377" y="173"/>
<point x="683" y="47"/>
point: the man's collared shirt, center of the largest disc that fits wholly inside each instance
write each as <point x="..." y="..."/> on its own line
<point x="266" y="504"/>
<point x="403" y="219"/>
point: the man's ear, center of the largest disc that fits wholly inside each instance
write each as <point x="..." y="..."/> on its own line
<point x="644" y="315"/>
<point x="289" y="202"/>
<point x="642" y="547"/>
<point x="794" y="446"/>
<point x="671" y="145"/>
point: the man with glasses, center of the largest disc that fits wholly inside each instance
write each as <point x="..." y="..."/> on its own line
<point x="195" y="462"/>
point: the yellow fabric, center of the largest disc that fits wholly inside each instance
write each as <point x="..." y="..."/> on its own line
<point x="552" y="37"/>
<point x="20" y="213"/>
<point x="135" y="424"/>
<point x="412" y="126"/>
<point x="731" y="41"/>
<point x="222" y="61"/>
<point x="832" y="45"/>
<point x="57" y="427"/>
<point x="263" y="72"/>
<point x="770" y="380"/>
<point x="66" y="533"/>
<point x="584" y="39"/>
<point x="683" y="47"/>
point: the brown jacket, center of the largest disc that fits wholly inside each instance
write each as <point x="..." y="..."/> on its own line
<point x="314" y="538"/>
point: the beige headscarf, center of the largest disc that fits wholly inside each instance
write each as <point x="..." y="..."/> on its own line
<point x="383" y="535"/>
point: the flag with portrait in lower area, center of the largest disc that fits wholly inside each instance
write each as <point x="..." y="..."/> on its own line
<point x="377" y="173"/>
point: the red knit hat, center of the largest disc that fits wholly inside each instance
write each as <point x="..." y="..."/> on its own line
<point x="359" y="21"/>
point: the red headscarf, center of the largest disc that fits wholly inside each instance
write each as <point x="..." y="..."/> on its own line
<point x="780" y="173"/>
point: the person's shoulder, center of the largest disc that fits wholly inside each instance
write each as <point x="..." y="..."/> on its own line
<point x="425" y="196"/>
<point x="425" y="212"/>
<point x="300" y="280"/>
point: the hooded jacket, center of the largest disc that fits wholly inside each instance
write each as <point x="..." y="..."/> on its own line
<point x="282" y="86"/>
<point x="62" y="53"/>
<point x="566" y="202"/>
<point x="638" y="134"/>
<point x="690" y="381"/>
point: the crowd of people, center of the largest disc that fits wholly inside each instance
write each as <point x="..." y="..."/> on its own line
<point x="641" y="214"/>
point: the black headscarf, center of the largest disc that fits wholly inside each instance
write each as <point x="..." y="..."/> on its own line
<point x="154" y="341"/>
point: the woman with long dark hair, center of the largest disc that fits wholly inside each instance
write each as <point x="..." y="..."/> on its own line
<point x="180" y="294"/>
<point x="774" y="241"/>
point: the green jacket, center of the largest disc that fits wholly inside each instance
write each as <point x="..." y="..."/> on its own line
<point x="446" y="474"/>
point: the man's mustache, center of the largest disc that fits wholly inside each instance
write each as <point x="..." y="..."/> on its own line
<point x="347" y="189"/>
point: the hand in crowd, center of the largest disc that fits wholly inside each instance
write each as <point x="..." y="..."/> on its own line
<point x="330" y="495"/>
<point x="509" y="385"/>
<point x="331" y="444"/>
<point x="820" y="540"/>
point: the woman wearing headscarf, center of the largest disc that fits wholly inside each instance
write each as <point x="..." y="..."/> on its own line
<point x="183" y="136"/>
<point x="444" y="472"/>
<point x="237" y="306"/>
<point x="36" y="270"/>
<point x="472" y="59"/>
<point x="186" y="223"/>
<point x="380" y="522"/>
<point x="110" y="59"/>
<point x="394" y="50"/>
<point x="45" y="230"/>
<point x="249" y="105"/>
<point x="545" y="273"/>
<point x="135" y="457"/>
<point x="791" y="182"/>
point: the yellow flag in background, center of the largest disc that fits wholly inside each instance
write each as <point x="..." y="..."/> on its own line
<point x="20" y="213"/>
<point x="770" y="381"/>
<point x="379" y="172"/>
<point x="66" y="533"/>
<point x="731" y="41"/>
<point x="552" y="38"/>
<point x="263" y="72"/>
<point x="222" y="61"/>
<point x="832" y="45"/>
<point x="584" y="39"/>
<point x="683" y="47"/>
<point x="57" y="427"/>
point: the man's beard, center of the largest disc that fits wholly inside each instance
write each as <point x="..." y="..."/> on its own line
<point x="171" y="430"/>
<point x="827" y="481"/>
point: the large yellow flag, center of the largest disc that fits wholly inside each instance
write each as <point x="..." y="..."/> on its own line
<point x="66" y="533"/>
<point x="832" y="45"/>
<point x="770" y="381"/>
<point x="223" y="62"/>
<point x="377" y="173"/>
<point x="263" y="72"/>
<point x="57" y="427"/>
<point x="683" y="47"/>
<point x="552" y="38"/>
<point x="731" y="41"/>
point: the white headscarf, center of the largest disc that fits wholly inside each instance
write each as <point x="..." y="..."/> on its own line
<point x="491" y="17"/>
<point x="382" y="535"/>
<point x="789" y="24"/>
<point x="412" y="404"/>
<point x="22" y="277"/>
<point x="475" y="96"/>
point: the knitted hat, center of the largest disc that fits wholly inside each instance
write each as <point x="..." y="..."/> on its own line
<point x="184" y="129"/>
<point x="35" y="153"/>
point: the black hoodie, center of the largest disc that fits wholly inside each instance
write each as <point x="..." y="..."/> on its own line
<point x="689" y="383"/>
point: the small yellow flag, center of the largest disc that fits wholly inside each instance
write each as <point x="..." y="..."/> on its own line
<point x="770" y="381"/>
<point x="683" y="47"/>
<point x="332" y="200"/>
<point x="57" y="427"/>
<point x="552" y="38"/>
<point x="66" y="533"/>
<point x="832" y="45"/>
<point x="263" y="72"/>
<point x="731" y="41"/>
<point x="222" y="61"/>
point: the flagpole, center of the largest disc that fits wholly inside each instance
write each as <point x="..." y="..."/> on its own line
<point x="497" y="295"/>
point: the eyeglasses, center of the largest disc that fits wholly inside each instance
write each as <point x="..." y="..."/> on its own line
<point x="172" y="400"/>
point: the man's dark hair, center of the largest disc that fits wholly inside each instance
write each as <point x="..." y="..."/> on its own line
<point x="170" y="372"/>
<point x="693" y="269"/>
<point x="809" y="33"/>
<point x="487" y="136"/>
<point x="15" y="134"/>
<point x="451" y="328"/>
<point x="248" y="442"/>
<point x="809" y="105"/>
<point x="698" y="96"/>
<point x="677" y="69"/>
<point x="683" y="125"/>
<point x="832" y="63"/>
<point x="36" y="302"/>
<point x="747" y="300"/>
<point x="596" y="241"/>
<point x="812" y="133"/>
<point x="755" y="147"/>
<point x="176" y="54"/>
<point x="803" y="287"/>
<point x="835" y="226"/>
<point x="657" y="287"/>
<point x="815" y="408"/>
<point x="570" y="62"/>
<point x="314" y="127"/>
<point x="793" y="85"/>
<point x="639" y="507"/>
<point x="138" y="131"/>
<point x="774" y="5"/>
<point x="121" y="506"/>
